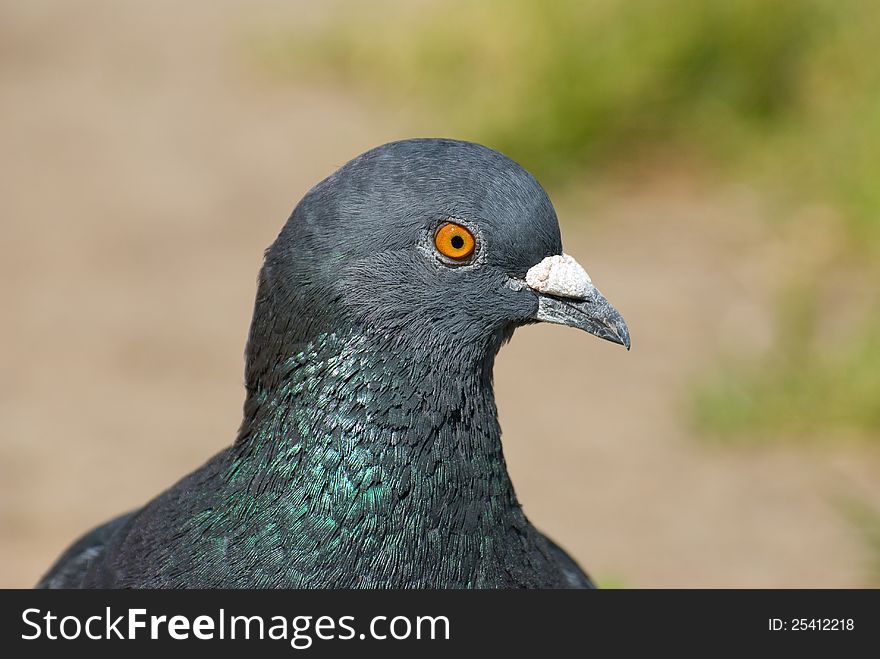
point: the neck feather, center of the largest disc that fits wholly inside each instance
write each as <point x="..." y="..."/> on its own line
<point x="359" y="414"/>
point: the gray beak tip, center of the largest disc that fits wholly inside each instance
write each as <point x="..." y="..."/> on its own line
<point x="592" y="314"/>
<point x="613" y="328"/>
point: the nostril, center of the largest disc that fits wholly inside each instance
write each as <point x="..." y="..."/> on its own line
<point x="561" y="276"/>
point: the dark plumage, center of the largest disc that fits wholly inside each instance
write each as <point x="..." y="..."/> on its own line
<point x="370" y="453"/>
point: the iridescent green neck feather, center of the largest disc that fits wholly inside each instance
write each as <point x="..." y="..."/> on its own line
<point x="386" y="463"/>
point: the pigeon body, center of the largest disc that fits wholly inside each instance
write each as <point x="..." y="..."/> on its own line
<point x="370" y="452"/>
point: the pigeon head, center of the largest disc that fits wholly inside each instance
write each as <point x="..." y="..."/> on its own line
<point x="439" y="243"/>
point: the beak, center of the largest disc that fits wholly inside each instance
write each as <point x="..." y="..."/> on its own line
<point x="566" y="296"/>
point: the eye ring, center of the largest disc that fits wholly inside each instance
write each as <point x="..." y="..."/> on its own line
<point x="454" y="241"/>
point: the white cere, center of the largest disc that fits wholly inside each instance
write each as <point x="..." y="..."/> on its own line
<point x="559" y="275"/>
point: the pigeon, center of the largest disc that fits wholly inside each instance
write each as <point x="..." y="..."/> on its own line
<point x="369" y="455"/>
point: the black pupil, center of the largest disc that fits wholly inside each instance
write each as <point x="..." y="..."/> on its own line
<point x="457" y="242"/>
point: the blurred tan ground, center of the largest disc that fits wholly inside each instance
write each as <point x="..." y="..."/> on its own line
<point x="146" y="163"/>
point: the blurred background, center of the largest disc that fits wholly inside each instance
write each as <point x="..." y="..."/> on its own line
<point x="714" y="164"/>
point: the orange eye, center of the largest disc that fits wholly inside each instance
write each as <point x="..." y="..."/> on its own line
<point x="454" y="241"/>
